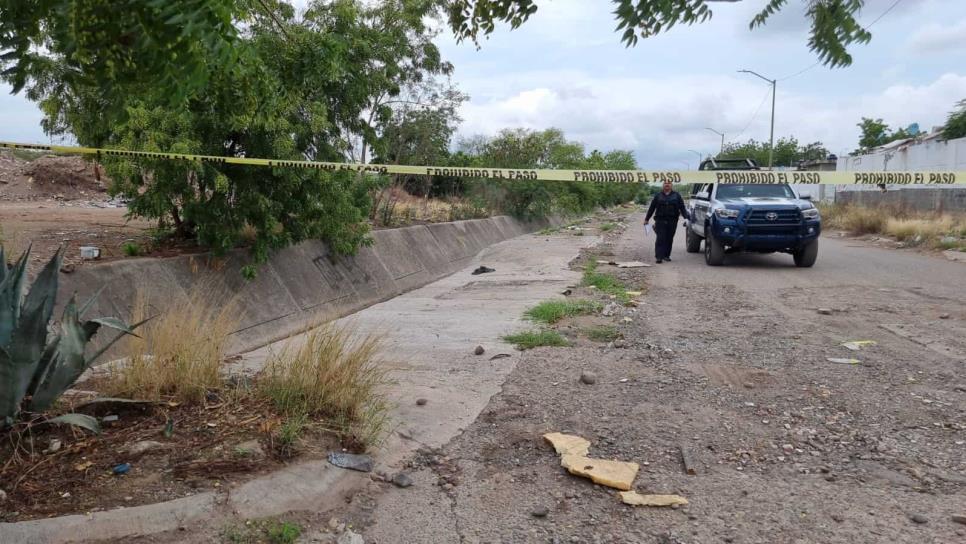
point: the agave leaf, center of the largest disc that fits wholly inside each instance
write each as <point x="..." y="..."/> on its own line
<point x="90" y="301"/>
<point x="78" y="420"/>
<point x="13" y="385"/>
<point x="43" y="291"/>
<point x="11" y="291"/>
<point x="115" y="323"/>
<point x="43" y="365"/>
<point x="107" y="346"/>
<point x="67" y="361"/>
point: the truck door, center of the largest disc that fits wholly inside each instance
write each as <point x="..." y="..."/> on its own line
<point x="700" y="205"/>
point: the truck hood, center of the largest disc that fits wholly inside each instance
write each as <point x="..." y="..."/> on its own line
<point x="766" y="202"/>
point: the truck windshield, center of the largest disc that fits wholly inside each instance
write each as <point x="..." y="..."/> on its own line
<point x="752" y="190"/>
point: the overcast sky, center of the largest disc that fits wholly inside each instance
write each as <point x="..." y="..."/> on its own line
<point x="567" y="68"/>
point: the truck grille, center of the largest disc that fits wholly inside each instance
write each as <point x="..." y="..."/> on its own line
<point x="784" y="222"/>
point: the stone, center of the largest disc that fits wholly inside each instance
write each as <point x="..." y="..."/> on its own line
<point x="634" y="498"/>
<point x="55" y="445"/>
<point x="251" y="448"/>
<point x="479" y="350"/>
<point x="838" y="518"/>
<point x="616" y="474"/>
<point x="349" y="537"/>
<point x="3" y="496"/>
<point x="943" y="316"/>
<point x="956" y="519"/>
<point x="588" y="377"/>
<point x="401" y="479"/>
<point x="139" y="448"/>
<point x="919" y="518"/>
<point x="611" y="309"/>
<point x="825" y="311"/>
<point x="566" y="444"/>
<point x="540" y="512"/>
<point x="362" y="463"/>
<point x="421" y="402"/>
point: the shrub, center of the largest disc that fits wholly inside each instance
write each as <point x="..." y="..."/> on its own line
<point x="131" y="249"/>
<point x="179" y="354"/>
<point x="333" y="374"/>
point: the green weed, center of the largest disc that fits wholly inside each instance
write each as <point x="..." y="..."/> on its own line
<point x="603" y="333"/>
<point x="536" y="338"/>
<point x="131" y="249"/>
<point x="607" y="227"/>
<point x="551" y="311"/>
<point x="605" y="283"/>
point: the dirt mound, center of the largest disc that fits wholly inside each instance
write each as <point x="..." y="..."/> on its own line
<point x="49" y="176"/>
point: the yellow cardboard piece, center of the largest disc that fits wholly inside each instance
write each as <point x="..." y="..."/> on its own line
<point x="633" y="293"/>
<point x="616" y="474"/>
<point x="568" y="444"/>
<point x="634" y="498"/>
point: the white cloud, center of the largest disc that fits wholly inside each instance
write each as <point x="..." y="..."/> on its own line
<point x="660" y="119"/>
<point x="933" y="38"/>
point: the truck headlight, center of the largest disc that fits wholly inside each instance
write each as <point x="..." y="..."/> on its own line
<point x="726" y="213"/>
<point x="811" y="213"/>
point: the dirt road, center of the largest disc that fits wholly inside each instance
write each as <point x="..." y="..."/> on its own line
<point x="729" y="364"/>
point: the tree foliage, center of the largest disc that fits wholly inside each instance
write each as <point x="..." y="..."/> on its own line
<point x="955" y="126"/>
<point x="875" y="132"/>
<point x="833" y="23"/>
<point x="119" y="45"/>
<point x="788" y="151"/>
<point x="314" y="87"/>
<point x="529" y="149"/>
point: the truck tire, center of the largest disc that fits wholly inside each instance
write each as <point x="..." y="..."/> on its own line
<point x="713" y="251"/>
<point x="806" y="256"/>
<point x="692" y="241"/>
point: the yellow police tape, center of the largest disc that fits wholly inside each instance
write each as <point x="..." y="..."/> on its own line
<point x="596" y="176"/>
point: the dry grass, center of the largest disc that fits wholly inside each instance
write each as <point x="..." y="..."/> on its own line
<point x="13" y="241"/>
<point x="180" y="351"/>
<point x="333" y="374"/>
<point x="944" y="231"/>
<point x="394" y="207"/>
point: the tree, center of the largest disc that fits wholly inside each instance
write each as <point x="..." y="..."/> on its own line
<point x="955" y="126"/>
<point x="119" y="46"/>
<point x="875" y="133"/>
<point x="308" y="88"/>
<point x="833" y="22"/>
<point x="788" y="152"/>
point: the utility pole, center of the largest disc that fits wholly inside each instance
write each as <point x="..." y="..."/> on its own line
<point x="698" y="153"/>
<point x="771" y="139"/>
<point x="719" y="134"/>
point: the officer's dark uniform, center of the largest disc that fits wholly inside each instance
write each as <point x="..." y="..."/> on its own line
<point x="665" y="208"/>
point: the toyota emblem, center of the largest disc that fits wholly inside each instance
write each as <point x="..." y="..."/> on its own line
<point x="771" y="216"/>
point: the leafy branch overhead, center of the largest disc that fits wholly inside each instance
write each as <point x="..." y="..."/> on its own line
<point x="833" y="23"/>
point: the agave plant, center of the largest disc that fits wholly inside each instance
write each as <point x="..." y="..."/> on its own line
<point x="38" y="363"/>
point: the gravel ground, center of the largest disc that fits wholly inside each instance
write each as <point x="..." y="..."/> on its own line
<point x="730" y="365"/>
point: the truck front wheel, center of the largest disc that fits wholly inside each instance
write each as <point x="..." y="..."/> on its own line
<point x="806" y="256"/>
<point x="713" y="250"/>
<point x="692" y="241"/>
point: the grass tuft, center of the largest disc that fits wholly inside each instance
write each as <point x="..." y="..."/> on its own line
<point x="605" y="283"/>
<point x="536" y="338"/>
<point x="603" y="333"/>
<point x="332" y="374"/>
<point x="179" y="352"/>
<point x="607" y="227"/>
<point x="914" y="229"/>
<point x="131" y="249"/>
<point x="552" y="311"/>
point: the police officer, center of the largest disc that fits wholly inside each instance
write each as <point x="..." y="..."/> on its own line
<point x="665" y="207"/>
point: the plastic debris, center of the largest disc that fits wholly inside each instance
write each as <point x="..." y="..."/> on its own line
<point x="362" y="463"/>
<point x="856" y="345"/>
<point x="843" y="361"/>
<point x="482" y="270"/>
<point x="634" y="498"/>
<point x="123" y="468"/>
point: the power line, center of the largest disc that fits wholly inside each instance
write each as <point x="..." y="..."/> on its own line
<point x="753" y="116"/>
<point x="870" y="25"/>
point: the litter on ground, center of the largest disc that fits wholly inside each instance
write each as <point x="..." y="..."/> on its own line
<point x="856" y="345"/>
<point x="616" y="474"/>
<point x="568" y="444"/>
<point x="843" y="361"/>
<point x="634" y="498"/>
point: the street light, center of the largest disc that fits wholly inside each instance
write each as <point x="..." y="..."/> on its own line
<point x="771" y="139"/>
<point x="700" y="156"/>
<point x="719" y="134"/>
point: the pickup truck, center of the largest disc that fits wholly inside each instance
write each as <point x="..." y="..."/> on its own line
<point x="762" y="218"/>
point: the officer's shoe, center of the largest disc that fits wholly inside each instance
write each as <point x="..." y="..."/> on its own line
<point x="658" y="261"/>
